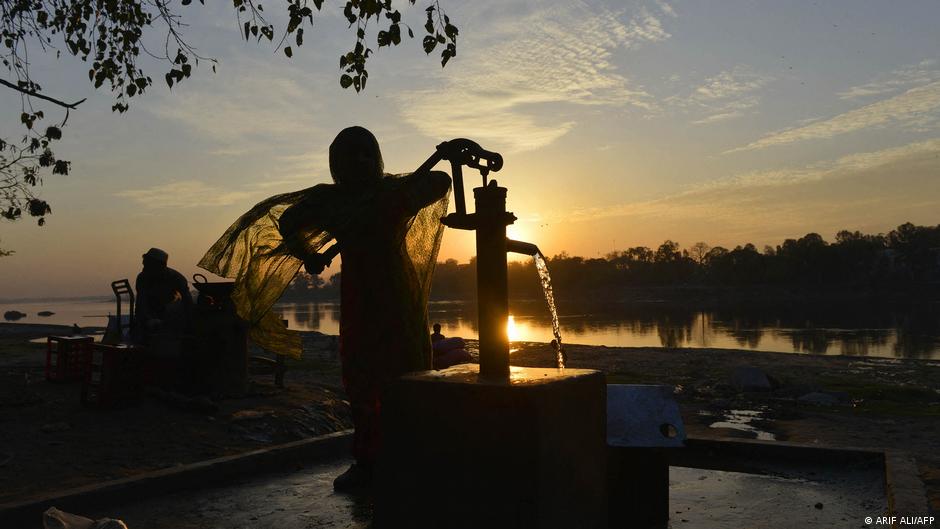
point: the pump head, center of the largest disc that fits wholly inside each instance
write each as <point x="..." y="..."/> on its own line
<point x="460" y="152"/>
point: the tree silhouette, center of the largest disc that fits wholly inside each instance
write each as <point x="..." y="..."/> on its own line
<point x="110" y="36"/>
<point x="698" y="251"/>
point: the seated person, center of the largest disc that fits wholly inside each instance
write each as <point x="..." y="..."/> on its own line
<point x="436" y="335"/>
<point x="447" y="351"/>
<point x="164" y="304"/>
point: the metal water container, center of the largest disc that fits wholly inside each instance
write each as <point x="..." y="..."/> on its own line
<point x="219" y="362"/>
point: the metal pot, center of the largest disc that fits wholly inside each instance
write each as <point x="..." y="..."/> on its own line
<point x="217" y="291"/>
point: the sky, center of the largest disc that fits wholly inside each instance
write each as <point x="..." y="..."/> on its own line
<point x="621" y="123"/>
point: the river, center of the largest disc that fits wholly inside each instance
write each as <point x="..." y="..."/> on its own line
<point x="878" y="330"/>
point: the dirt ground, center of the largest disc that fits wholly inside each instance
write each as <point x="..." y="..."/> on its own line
<point x="49" y="442"/>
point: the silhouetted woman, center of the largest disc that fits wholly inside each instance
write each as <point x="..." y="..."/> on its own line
<point x="389" y="231"/>
<point x="383" y="312"/>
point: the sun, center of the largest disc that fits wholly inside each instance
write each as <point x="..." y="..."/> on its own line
<point x="515" y="333"/>
<point x="517" y="233"/>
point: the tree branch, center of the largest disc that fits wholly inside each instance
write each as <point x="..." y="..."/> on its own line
<point x="41" y="96"/>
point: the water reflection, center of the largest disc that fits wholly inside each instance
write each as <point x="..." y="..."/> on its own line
<point x="907" y="331"/>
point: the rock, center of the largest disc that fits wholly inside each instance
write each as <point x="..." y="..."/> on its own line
<point x="749" y="378"/>
<point x="13" y="315"/>
<point x="248" y="415"/>
<point x="53" y="427"/>
<point x="825" y="399"/>
<point x="45" y="313"/>
<point x="55" y="519"/>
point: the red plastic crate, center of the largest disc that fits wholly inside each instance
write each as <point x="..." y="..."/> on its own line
<point x="67" y="357"/>
<point x="113" y="377"/>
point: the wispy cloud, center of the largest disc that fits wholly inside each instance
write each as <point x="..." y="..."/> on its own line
<point x="254" y="109"/>
<point x="559" y="55"/>
<point x="909" y="108"/>
<point x="666" y="8"/>
<point x="188" y="194"/>
<point x="726" y="95"/>
<point x="730" y="84"/>
<point x="733" y="195"/>
<point x="907" y="76"/>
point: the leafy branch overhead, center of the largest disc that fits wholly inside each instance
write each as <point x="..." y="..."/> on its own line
<point x="112" y="35"/>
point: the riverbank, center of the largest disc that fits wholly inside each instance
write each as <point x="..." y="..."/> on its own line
<point x="49" y="442"/>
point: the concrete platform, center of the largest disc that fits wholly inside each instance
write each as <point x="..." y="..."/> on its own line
<point x="297" y="500"/>
<point x="529" y="450"/>
<point x="700" y="499"/>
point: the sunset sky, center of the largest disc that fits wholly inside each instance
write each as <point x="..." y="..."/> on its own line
<point x="622" y="123"/>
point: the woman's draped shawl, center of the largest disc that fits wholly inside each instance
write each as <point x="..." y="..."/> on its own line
<point x="253" y="252"/>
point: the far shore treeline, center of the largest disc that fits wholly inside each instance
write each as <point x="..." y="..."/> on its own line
<point x="905" y="258"/>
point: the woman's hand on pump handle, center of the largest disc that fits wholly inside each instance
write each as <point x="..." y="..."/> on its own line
<point x="315" y="263"/>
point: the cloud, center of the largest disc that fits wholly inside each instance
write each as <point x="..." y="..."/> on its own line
<point x="182" y="195"/>
<point x="736" y="196"/>
<point x="726" y="95"/>
<point x="907" y="76"/>
<point x="254" y="108"/>
<point x="729" y="84"/>
<point x="555" y="56"/>
<point x="905" y="109"/>
<point x="666" y="8"/>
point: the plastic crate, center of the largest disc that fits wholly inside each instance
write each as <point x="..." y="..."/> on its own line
<point x="113" y="377"/>
<point x="68" y="357"/>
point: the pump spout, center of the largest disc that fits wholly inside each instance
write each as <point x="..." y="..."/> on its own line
<point x="525" y="248"/>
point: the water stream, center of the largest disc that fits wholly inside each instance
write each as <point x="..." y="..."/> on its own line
<point x="546" y="279"/>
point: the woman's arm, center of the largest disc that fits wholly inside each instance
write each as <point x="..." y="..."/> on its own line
<point x="309" y="214"/>
<point x="422" y="189"/>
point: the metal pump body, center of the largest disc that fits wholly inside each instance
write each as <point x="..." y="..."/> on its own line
<point x="489" y="221"/>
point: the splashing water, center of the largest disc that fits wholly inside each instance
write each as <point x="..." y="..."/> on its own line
<point x="546" y="279"/>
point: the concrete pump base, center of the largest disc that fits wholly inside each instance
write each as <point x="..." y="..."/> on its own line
<point x="460" y="450"/>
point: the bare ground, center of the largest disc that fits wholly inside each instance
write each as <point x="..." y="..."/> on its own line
<point x="48" y="441"/>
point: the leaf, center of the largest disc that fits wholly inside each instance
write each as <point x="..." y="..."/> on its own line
<point x="429" y="44"/>
<point x="345" y="81"/>
<point x="288" y="52"/>
<point x="169" y="79"/>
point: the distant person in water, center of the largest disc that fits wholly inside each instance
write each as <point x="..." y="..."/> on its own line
<point x="163" y="304"/>
<point x="448" y="351"/>
<point x="383" y="316"/>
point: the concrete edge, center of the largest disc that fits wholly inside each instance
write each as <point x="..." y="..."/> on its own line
<point x="907" y="495"/>
<point x="733" y="453"/>
<point x="186" y="477"/>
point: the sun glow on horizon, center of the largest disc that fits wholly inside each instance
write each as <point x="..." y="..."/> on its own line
<point x="514" y="332"/>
